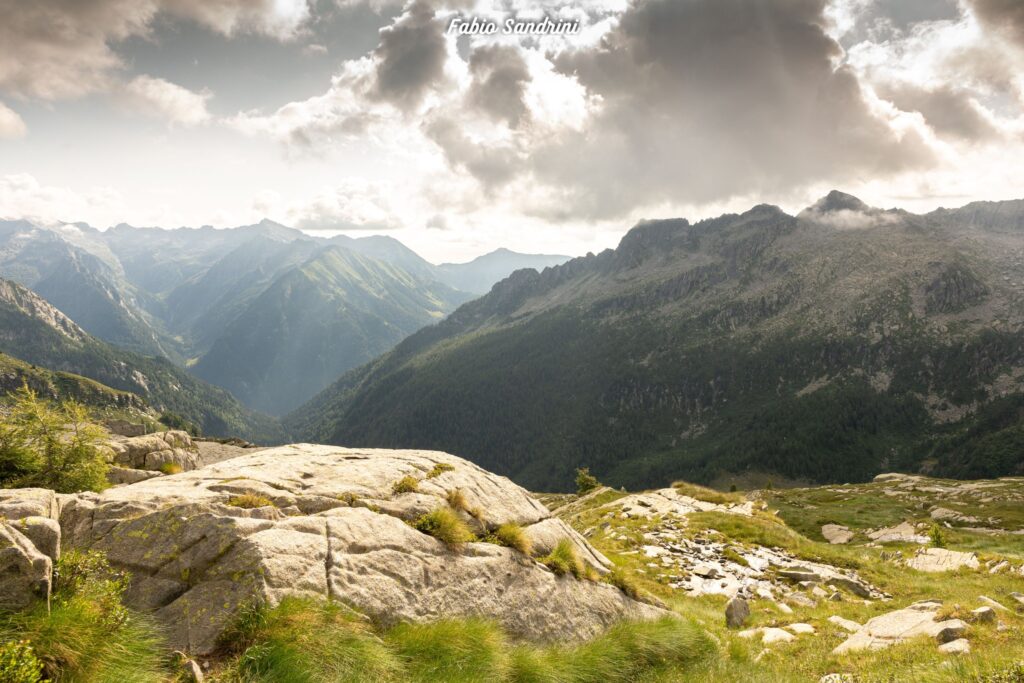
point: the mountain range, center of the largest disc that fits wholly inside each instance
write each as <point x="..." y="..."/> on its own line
<point x="268" y="312"/>
<point x="826" y="346"/>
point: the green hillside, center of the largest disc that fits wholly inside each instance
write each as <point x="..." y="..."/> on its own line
<point x="34" y="331"/>
<point x="827" y="346"/>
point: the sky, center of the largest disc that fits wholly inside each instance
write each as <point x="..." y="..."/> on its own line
<point x="374" y="117"/>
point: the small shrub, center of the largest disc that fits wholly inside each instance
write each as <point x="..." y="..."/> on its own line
<point x="406" y="484"/>
<point x="53" y="446"/>
<point x="457" y="499"/>
<point x="439" y="469"/>
<point x="18" y="663"/>
<point x="513" y="536"/>
<point x="733" y="556"/>
<point x="564" y="559"/>
<point x="250" y="501"/>
<point x="585" y="481"/>
<point x="444" y="525"/>
<point x="349" y="498"/>
<point x="936" y="537"/>
<point x="171" y="468"/>
<point x="732" y="488"/>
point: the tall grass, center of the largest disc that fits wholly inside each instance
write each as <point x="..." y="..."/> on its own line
<point x="87" y="636"/>
<point x="309" y="642"/>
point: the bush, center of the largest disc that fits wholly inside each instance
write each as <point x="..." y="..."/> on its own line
<point x="250" y="501"/>
<point x="406" y="485"/>
<point x="564" y="559"/>
<point x="439" y="469"/>
<point x="513" y="536"/>
<point x="937" y="539"/>
<point x="50" y="446"/>
<point x="18" y="663"/>
<point x="585" y="481"/>
<point x="446" y="526"/>
<point x="88" y="634"/>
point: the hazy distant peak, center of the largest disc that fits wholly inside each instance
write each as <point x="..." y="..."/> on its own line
<point x="34" y="306"/>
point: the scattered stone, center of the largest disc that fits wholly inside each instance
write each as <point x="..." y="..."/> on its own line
<point x="950" y="630"/>
<point x="940" y="514"/>
<point x="800" y="629"/>
<point x="1018" y="597"/>
<point x="707" y="571"/>
<point x="819" y="592"/>
<point x="799" y="574"/>
<point x="749" y="633"/>
<point x="836" y="678"/>
<point x="770" y="636"/>
<point x="801" y="600"/>
<point x="1001" y="566"/>
<point x="737" y="611"/>
<point x="960" y="646"/>
<point x="895" y="476"/>
<point x="192" y="672"/>
<point x="942" y="560"/>
<point x="836" y="534"/>
<point x="836" y="597"/>
<point x="845" y="624"/>
<point x="992" y="603"/>
<point x="984" y="614"/>
<point x="784" y="608"/>
<point x="852" y="585"/>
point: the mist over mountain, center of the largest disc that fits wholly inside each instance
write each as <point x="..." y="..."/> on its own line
<point x="264" y="310"/>
<point x="826" y="346"/>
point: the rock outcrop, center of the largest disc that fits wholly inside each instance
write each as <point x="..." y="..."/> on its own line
<point x="326" y="522"/>
<point x="888" y="629"/>
<point x="942" y="560"/>
<point x="172" y="448"/>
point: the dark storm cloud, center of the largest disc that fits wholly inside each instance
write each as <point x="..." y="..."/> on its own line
<point x="500" y="77"/>
<point x="707" y="99"/>
<point x="411" y="56"/>
<point x="1005" y="16"/>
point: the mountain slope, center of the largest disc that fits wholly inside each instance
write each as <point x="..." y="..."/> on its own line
<point x="335" y="311"/>
<point x="825" y="346"/>
<point x="36" y="332"/>
<point x="480" y="274"/>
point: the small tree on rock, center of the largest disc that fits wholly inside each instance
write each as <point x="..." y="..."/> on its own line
<point x="585" y="481"/>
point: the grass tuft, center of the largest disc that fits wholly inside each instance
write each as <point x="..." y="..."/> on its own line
<point x="250" y="501"/>
<point x="452" y="651"/>
<point x="439" y="469"/>
<point x="446" y="526"/>
<point x="171" y="468"/>
<point x="513" y="536"/>
<point x="406" y="484"/>
<point x="457" y="499"/>
<point x="563" y="559"/>
<point x="707" y="495"/>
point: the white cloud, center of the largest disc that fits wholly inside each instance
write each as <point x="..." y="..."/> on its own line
<point x="157" y="97"/>
<point x="22" y="196"/>
<point x="11" y="124"/>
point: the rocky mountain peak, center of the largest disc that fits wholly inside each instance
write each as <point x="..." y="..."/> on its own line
<point x="38" y="308"/>
<point x="836" y="201"/>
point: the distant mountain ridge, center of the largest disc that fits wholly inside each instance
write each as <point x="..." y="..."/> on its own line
<point x="214" y="301"/>
<point x="35" y="332"/>
<point x="827" y="346"/>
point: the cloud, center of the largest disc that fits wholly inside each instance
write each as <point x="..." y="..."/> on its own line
<point x="157" y="97"/>
<point x="950" y="110"/>
<point x="1002" y="16"/>
<point x="53" y="49"/>
<point x="11" y="124"/>
<point x="411" y="56"/>
<point x="500" y="77"/>
<point x="350" y="205"/>
<point x="22" y="196"/>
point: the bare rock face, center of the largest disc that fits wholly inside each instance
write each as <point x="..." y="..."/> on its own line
<point x="895" y="627"/>
<point x="24" y="571"/>
<point x="942" y="560"/>
<point x="325" y="522"/>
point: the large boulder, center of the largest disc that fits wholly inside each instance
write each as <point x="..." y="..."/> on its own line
<point x="942" y="560"/>
<point x="25" y="573"/>
<point x="153" y="451"/>
<point x="326" y="522"/>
